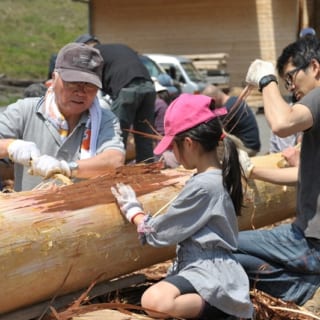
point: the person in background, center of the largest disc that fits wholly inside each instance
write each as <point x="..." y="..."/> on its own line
<point x="65" y="131"/>
<point x="52" y="63"/>
<point x="279" y="144"/>
<point x="307" y="32"/>
<point x="173" y="88"/>
<point x="127" y="81"/>
<point x="240" y="120"/>
<point x="206" y="281"/>
<point x="35" y="90"/>
<point x="163" y="100"/>
<point x="284" y="261"/>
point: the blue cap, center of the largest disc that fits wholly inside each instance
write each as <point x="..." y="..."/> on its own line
<point x="307" y="32"/>
<point x="166" y="81"/>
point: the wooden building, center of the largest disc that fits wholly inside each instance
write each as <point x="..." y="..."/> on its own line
<point x="245" y="29"/>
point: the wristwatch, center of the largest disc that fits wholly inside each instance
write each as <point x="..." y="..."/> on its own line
<point x="73" y="166"/>
<point x="266" y="80"/>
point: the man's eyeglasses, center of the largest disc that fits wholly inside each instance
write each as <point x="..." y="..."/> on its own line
<point x="80" y="86"/>
<point x="290" y="77"/>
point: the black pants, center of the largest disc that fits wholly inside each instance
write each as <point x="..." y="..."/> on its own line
<point x="209" y="312"/>
<point x="134" y="107"/>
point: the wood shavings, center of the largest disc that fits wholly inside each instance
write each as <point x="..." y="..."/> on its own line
<point x="268" y="307"/>
<point x="94" y="191"/>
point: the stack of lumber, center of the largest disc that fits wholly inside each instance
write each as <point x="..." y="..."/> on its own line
<point x="209" y="61"/>
<point x="213" y="66"/>
<point x="58" y="240"/>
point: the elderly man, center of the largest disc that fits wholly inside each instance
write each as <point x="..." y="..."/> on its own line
<point x="127" y="81"/>
<point x="66" y="131"/>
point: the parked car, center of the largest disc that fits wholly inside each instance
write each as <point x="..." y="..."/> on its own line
<point x="158" y="73"/>
<point x="181" y="69"/>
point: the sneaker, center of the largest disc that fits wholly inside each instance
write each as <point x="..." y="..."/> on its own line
<point x="313" y="305"/>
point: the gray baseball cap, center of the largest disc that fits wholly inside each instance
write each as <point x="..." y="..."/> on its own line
<point x="78" y="62"/>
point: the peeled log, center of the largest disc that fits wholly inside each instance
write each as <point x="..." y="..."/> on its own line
<point x="267" y="203"/>
<point x="60" y="240"/>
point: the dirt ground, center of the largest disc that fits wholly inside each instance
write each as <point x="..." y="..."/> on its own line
<point x="127" y="303"/>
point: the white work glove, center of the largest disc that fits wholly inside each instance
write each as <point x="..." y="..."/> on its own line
<point x="23" y="152"/>
<point x="257" y="70"/>
<point x="127" y="200"/>
<point x="245" y="162"/>
<point x="46" y="166"/>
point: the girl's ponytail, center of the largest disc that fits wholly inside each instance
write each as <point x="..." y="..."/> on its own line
<point x="231" y="171"/>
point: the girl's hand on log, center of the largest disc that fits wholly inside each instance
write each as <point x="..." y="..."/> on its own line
<point x="127" y="201"/>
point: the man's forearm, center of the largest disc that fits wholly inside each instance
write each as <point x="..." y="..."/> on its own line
<point x="100" y="162"/>
<point x="4" y="143"/>
<point x="285" y="176"/>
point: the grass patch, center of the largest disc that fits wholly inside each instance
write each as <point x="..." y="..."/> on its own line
<point x="31" y="30"/>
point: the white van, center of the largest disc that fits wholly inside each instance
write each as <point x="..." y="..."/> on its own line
<point x="183" y="70"/>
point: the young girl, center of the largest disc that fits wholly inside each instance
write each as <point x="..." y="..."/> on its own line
<point x="206" y="281"/>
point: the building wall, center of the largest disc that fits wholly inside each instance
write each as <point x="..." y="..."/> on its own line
<point x="245" y="29"/>
<point x="310" y="14"/>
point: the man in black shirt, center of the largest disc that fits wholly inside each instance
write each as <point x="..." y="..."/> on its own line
<point x="127" y="81"/>
<point x="240" y="120"/>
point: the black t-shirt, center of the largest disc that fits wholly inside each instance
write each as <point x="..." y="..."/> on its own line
<point x="121" y="66"/>
<point x="308" y="190"/>
<point x="243" y="124"/>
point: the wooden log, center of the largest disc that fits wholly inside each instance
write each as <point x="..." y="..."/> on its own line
<point x="267" y="203"/>
<point x="111" y="315"/>
<point x="37" y="311"/>
<point x="60" y="240"/>
<point x="6" y="170"/>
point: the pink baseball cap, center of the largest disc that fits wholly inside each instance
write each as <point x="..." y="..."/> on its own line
<point x="186" y="112"/>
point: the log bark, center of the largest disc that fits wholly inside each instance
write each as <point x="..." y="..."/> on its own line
<point x="60" y="240"/>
